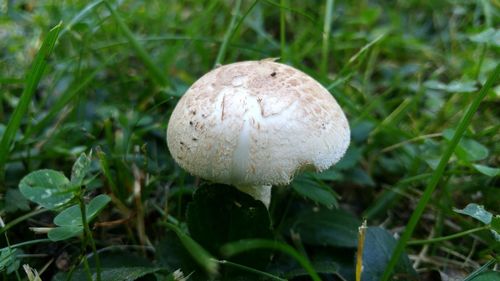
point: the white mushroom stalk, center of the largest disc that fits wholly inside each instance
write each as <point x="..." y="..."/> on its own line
<point x="255" y="124"/>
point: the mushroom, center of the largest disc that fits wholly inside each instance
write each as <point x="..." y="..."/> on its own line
<point x="254" y="124"/>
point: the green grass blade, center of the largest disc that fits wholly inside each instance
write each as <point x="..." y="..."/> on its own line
<point x="480" y="270"/>
<point x="27" y="243"/>
<point x="199" y="254"/>
<point x="234" y="248"/>
<point x="65" y="99"/>
<point x="251" y="270"/>
<point x="227" y="36"/>
<point x="32" y="79"/>
<point x="82" y="14"/>
<point x="22" y="218"/>
<point x="436" y="175"/>
<point x="327" y="24"/>
<point x="103" y="160"/>
<point x="155" y="72"/>
<point x="290" y="8"/>
<point x="365" y="49"/>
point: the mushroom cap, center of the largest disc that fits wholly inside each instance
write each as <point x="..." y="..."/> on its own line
<point x="256" y="123"/>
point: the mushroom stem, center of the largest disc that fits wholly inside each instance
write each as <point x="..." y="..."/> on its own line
<point x="262" y="193"/>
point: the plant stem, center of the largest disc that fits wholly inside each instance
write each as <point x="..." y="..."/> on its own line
<point x="31" y="242"/>
<point x="449" y="237"/>
<point x="438" y="172"/>
<point x="87" y="268"/>
<point x="87" y="237"/>
<point x="84" y="244"/>
<point x="252" y="270"/>
<point x="96" y="255"/>
<point x="484" y="48"/>
<point x="234" y="248"/>
<point x="22" y="218"/>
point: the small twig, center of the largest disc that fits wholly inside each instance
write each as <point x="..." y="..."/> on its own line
<point x="111" y="223"/>
<point x="141" y="228"/>
<point x="418" y="138"/>
<point x="423" y="252"/>
<point x="449" y="237"/>
<point x="361" y="245"/>
<point x="460" y="256"/>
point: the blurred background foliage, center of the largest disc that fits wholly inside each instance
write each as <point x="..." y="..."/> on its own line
<point x="403" y="71"/>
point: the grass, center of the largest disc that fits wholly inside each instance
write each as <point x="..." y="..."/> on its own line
<point x="32" y="79"/>
<point x="418" y="81"/>
<point x="438" y="172"/>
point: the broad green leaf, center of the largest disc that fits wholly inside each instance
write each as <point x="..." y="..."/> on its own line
<point x="14" y="201"/>
<point x="326" y="228"/>
<point x="361" y="130"/>
<point x="324" y="267"/>
<point x="47" y="188"/>
<point x="125" y="273"/>
<point x="432" y="162"/>
<point x="476" y="211"/>
<point x="378" y="248"/>
<point x="360" y="176"/>
<point x="429" y="152"/>
<point x="329" y="175"/>
<point x="64" y="232"/>
<point x="10" y="260"/>
<point x="315" y="191"/>
<point x="468" y="150"/>
<point x="131" y="267"/>
<point x="220" y="214"/>
<point x="172" y="255"/>
<point x="350" y="159"/>
<point x="96" y="205"/>
<point x="485" y="170"/>
<point x="487" y="276"/>
<point x="80" y="169"/>
<point x="495" y="227"/>
<point x="72" y="215"/>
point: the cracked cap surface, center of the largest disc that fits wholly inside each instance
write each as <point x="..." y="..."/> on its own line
<point x="256" y="123"/>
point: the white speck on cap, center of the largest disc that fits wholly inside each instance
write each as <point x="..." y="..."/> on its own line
<point x="256" y="123"/>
